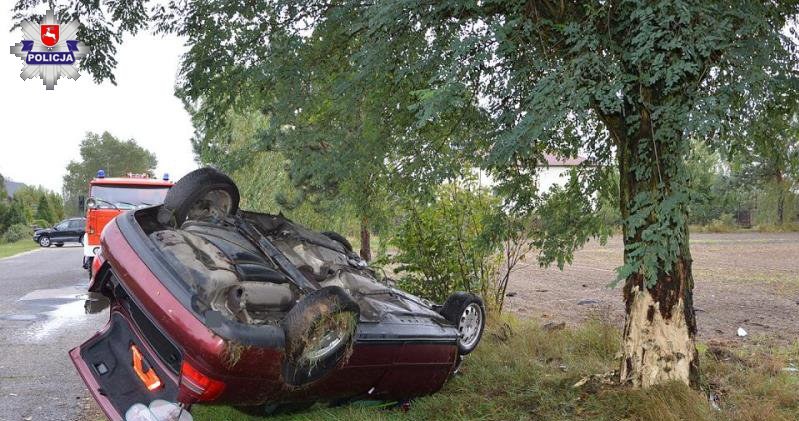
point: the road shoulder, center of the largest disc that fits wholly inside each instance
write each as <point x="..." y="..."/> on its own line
<point x="17" y="248"/>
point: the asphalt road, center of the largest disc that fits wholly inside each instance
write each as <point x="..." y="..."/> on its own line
<point x="41" y="319"/>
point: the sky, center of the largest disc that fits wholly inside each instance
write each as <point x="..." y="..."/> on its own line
<point x="40" y="130"/>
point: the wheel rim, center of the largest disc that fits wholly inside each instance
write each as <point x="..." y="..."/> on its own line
<point x="45" y="241"/>
<point x="327" y="344"/>
<point x="469" y="325"/>
<point x="328" y="336"/>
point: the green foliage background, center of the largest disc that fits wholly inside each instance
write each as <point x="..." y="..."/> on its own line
<point x="29" y="206"/>
<point x="103" y="151"/>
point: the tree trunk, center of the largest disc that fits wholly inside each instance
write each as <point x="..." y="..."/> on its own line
<point x="366" y="241"/>
<point x="659" y="330"/>
<point x="658" y="342"/>
<point x="780" y="199"/>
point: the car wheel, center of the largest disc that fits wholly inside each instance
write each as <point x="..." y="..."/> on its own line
<point x="467" y="313"/>
<point x="319" y="331"/>
<point x="59" y="244"/>
<point x="44" y="241"/>
<point x="201" y="194"/>
<point x="89" y="263"/>
<point x="340" y="238"/>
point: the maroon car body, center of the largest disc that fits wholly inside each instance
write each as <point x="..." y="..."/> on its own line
<point x="404" y="350"/>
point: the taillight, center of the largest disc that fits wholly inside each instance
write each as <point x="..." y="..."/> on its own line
<point x="196" y="386"/>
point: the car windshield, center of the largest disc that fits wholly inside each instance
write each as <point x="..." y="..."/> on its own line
<point x="128" y="197"/>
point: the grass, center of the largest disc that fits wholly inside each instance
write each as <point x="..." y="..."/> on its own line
<point x="726" y="228"/>
<point x="785" y="227"/>
<point x="522" y="372"/>
<point x="10" y="249"/>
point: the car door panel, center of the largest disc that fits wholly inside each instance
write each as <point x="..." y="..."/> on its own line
<point x="60" y="231"/>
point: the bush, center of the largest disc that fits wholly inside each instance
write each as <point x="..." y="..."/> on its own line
<point x="461" y="242"/>
<point x="17" y="232"/>
<point x="725" y="223"/>
<point x="41" y="223"/>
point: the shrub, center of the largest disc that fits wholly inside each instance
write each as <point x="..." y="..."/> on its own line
<point x="462" y="241"/>
<point x="41" y="223"/>
<point x="17" y="232"/>
<point x="725" y="223"/>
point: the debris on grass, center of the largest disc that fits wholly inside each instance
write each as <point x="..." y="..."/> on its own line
<point x="503" y="333"/>
<point x="553" y="326"/>
<point x="587" y="302"/>
<point x="713" y="399"/>
<point x="611" y="378"/>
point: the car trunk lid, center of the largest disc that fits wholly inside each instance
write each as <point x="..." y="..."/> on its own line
<point x="121" y="370"/>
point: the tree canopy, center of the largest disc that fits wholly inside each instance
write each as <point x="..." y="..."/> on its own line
<point x="32" y="198"/>
<point x="106" y="152"/>
<point x="3" y="192"/>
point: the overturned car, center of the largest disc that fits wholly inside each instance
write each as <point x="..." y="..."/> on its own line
<point x="216" y="305"/>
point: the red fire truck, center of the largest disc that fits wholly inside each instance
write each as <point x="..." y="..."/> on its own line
<point x="110" y="196"/>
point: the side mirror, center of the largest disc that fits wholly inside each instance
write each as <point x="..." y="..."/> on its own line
<point x="91" y="203"/>
<point x="82" y="203"/>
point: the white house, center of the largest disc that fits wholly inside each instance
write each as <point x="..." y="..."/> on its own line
<point x="555" y="172"/>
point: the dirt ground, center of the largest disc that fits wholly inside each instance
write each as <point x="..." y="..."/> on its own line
<point x="748" y="280"/>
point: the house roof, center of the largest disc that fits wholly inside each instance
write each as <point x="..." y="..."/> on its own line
<point x="556" y="161"/>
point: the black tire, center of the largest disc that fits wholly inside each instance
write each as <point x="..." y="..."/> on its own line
<point x="44" y="241"/>
<point x="201" y="193"/>
<point x="59" y="244"/>
<point x="453" y="310"/>
<point x="308" y="327"/>
<point x="340" y="238"/>
<point x="89" y="264"/>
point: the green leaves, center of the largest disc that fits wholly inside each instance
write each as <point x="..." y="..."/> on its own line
<point x="451" y="244"/>
<point x="366" y="100"/>
<point x="106" y="152"/>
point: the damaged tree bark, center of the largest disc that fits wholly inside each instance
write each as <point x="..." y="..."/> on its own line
<point x="659" y="330"/>
<point x="658" y="343"/>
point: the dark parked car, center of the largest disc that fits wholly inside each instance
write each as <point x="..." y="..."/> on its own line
<point x="216" y="305"/>
<point x="67" y="231"/>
